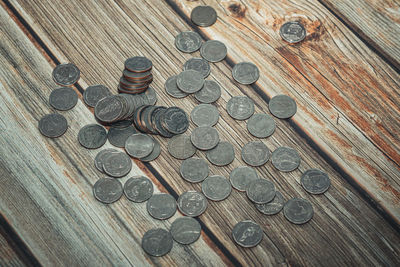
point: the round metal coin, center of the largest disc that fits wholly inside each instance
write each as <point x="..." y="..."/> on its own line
<point x="293" y="32"/>
<point x="157" y="242"/>
<point x="213" y="51"/>
<point x="172" y="89"/>
<point x="315" y="181"/>
<point x="261" y="191"/>
<point x="210" y="92"/>
<point x="109" y="109"/>
<point x="204" y="115"/>
<point x="185" y="230"/>
<point x="53" y="125"/>
<point x="138" y="64"/>
<point x="240" y="107"/>
<point x="98" y="160"/>
<point x="255" y="153"/>
<point x="192" y="203"/>
<point x="94" y="94"/>
<point x="273" y="207"/>
<point x="116" y="164"/>
<point x="188" y="42"/>
<point x="245" y="73"/>
<point x="204" y="137"/>
<point x="66" y="74"/>
<point x="203" y="16"/>
<point x="139" y="145"/>
<point x="194" y="170"/>
<point x="261" y="125"/>
<point x="221" y="155"/>
<point x="247" y="234"/>
<point x="107" y="190"/>
<point x="92" y="136"/>
<point x="63" y="98"/>
<point x="175" y="120"/>
<point x="154" y="154"/>
<point x="181" y="147"/>
<point x="151" y="96"/>
<point x="138" y="189"/>
<point x="161" y="206"/>
<point x="285" y="159"/>
<point x="242" y="176"/>
<point x="216" y="187"/>
<point x="282" y="106"/>
<point x="298" y="210"/>
<point x="199" y="64"/>
<point x="190" y="81"/>
<point x="117" y="136"/>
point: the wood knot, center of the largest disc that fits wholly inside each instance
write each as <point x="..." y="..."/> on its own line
<point x="237" y="10"/>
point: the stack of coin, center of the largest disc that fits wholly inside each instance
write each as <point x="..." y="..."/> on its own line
<point x="136" y="76"/>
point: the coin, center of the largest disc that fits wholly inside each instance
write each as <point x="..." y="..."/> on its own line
<point x="181" y="147"/>
<point x="203" y="16"/>
<point x="109" y="109"/>
<point x="204" y="115"/>
<point x="261" y="191"/>
<point x="175" y="120"/>
<point x="282" y="106"/>
<point x="53" y="125"/>
<point x="161" y="206"/>
<point x="139" y="145"/>
<point x="151" y="96"/>
<point x="94" y="93"/>
<point x="221" y="155"/>
<point x="157" y="242"/>
<point x="273" y="207"/>
<point x="216" y="187"/>
<point x="98" y="160"/>
<point x="116" y="164"/>
<point x="293" y="32"/>
<point x="172" y="89"/>
<point x="298" y="210"/>
<point x="255" y="153"/>
<point x="138" y="188"/>
<point x="136" y="76"/>
<point x="92" y="136"/>
<point x="157" y="122"/>
<point x="261" y="125"/>
<point x="285" y="159"/>
<point x="185" y="230"/>
<point x="107" y="190"/>
<point x="138" y="64"/>
<point x="117" y="135"/>
<point x="194" y="170"/>
<point x="245" y="73"/>
<point x="213" y="51"/>
<point x="210" y="92"/>
<point x="188" y="42"/>
<point x="315" y="181"/>
<point x="240" y="107"/>
<point x="204" y="137"/>
<point x="66" y="74"/>
<point x="247" y="234"/>
<point x="154" y="154"/>
<point x="242" y="176"/>
<point x="192" y="203"/>
<point x="199" y="64"/>
<point x="63" y="98"/>
<point x="190" y="81"/>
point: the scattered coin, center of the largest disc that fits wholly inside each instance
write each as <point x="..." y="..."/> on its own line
<point x="213" y="51"/>
<point x="210" y="92"/>
<point x="199" y="64"/>
<point x="181" y="147"/>
<point x="194" y="170"/>
<point x="216" y="187"/>
<point x="255" y="153"/>
<point x="139" y="145"/>
<point x="117" y="135"/>
<point x="109" y="109"/>
<point x="204" y="115"/>
<point x="175" y="120"/>
<point x="107" y="190"/>
<point x="154" y="154"/>
<point x="240" y="107"/>
<point x="172" y="89"/>
<point x="204" y="137"/>
<point x="63" y="98"/>
<point x="315" y="181"/>
<point x="190" y="81"/>
<point x="245" y="73"/>
<point x="261" y="191"/>
<point x="138" y="64"/>
<point x="185" y="230"/>
<point x="66" y="74"/>
<point x="92" y="136"/>
<point x="282" y="106"/>
<point x="98" y="160"/>
<point x="293" y="32"/>
<point x="138" y="189"/>
<point x="188" y="42"/>
<point x="203" y="16"/>
<point x="94" y="94"/>
<point x="53" y="125"/>
<point x="116" y="164"/>
<point x="192" y="203"/>
<point x="298" y="210"/>
<point x="261" y="125"/>
<point x="157" y="242"/>
<point x="285" y="159"/>
<point x="161" y="206"/>
<point x="242" y="176"/>
<point x="151" y="96"/>
<point x="273" y="207"/>
<point x="221" y="155"/>
<point x="247" y="234"/>
<point x="156" y="118"/>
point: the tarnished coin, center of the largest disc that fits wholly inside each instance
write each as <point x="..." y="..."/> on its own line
<point x="261" y="191"/>
<point x="210" y="92"/>
<point x="293" y="32"/>
<point x="245" y="73"/>
<point x="188" y="42"/>
<point x="298" y="210"/>
<point x="139" y="145"/>
<point x="137" y="76"/>
<point x="282" y="106"/>
<point x="157" y="242"/>
<point x="242" y="176"/>
<point x="247" y="234"/>
<point x="315" y="181"/>
<point x="213" y="51"/>
<point x="204" y="137"/>
<point x="273" y="207"/>
<point x="203" y="16"/>
<point x="181" y="147"/>
<point x="261" y="125"/>
<point x="190" y="81"/>
<point x="94" y="94"/>
<point x="172" y="89"/>
<point x="240" y="107"/>
<point x="98" y="160"/>
<point x="154" y="154"/>
<point x="66" y="74"/>
<point x="117" y="135"/>
<point x="194" y="170"/>
<point x="216" y="187"/>
<point x="151" y="96"/>
<point x="92" y="136"/>
<point x="138" y="189"/>
<point x="185" y="230"/>
<point x="199" y="64"/>
<point x="109" y="109"/>
<point x="107" y="190"/>
<point x="204" y="115"/>
<point x="175" y="120"/>
<point x="138" y="64"/>
<point x="285" y="159"/>
<point x="161" y="206"/>
<point x="63" y="98"/>
<point x="116" y="164"/>
<point x="156" y="118"/>
<point x="192" y="203"/>
<point x="53" y="125"/>
<point x="221" y="155"/>
<point x="255" y="153"/>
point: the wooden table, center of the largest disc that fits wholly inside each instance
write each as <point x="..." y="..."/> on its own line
<point x="344" y="77"/>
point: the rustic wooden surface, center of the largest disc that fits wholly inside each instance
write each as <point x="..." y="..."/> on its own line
<point x="48" y="199"/>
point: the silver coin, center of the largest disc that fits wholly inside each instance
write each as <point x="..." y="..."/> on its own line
<point x="298" y="210"/>
<point x="213" y="51"/>
<point x="282" y="106"/>
<point x="245" y="73"/>
<point x="192" y="203"/>
<point x="53" y="125"/>
<point x="66" y="74"/>
<point x="199" y="64"/>
<point x="194" y="170"/>
<point x="255" y="153"/>
<point x="117" y="135"/>
<point x="92" y="136"/>
<point x="157" y="242"/>
<point x="154" y="154"/>
<point x="261" y="125"/>
<point x="204" y="115"/>
<point x="63" y="98"/>
<point x="107" y="190"/>
<point x="98" y="160"/>
<point x="138" y="189"/>
<point x="203" y="16"/>
<point x="138" y="64"/>
<point x="188" y="42"/>
<point x="94" y="94"/>
<point x="210" y="92"/>
<point x="151" y="96"/>
<point x="261" y="191"/>
<point x="204" y="137"/>
<point x="190" y="81"/>
<point x="185" y="230"/>
<point x="181" y="147"/>
<point x="240" y="107"/>
<point x="175" y="120"/>
<point x="315" y="181"/>
<point x="139" y="145"/>
<point x="116" y="164"/>
<point x="273" y="207"/>
<point x="109" y="109"/>
<point x="293" y="32"/>
<point x="221" y="155"/>
<point x="242" y="176"/>
<point x="172" y="89"/>
<point x="285" y="159"/>
<point x="161" y="206"/>
<point x="247" y="234"/>
<point x="216" y="187"/>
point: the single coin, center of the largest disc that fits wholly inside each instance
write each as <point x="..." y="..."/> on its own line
<point x="157" y="115"/>
<point x="94" y="94"/>
<point x="98" y="160"/>
<point x="204" y="115"/>
<point x="154" y="154"/>
<point x="188" y="42"/>
<point x="172" y="89"/>
<point x="151" y="96"/>
<point x="293" y="32"/>
<point x="199" y="64"/>
<point x="273" y="207"/>
<point x="116" y="164"/>
<point x="107" y="190"/>
<point x="192" y="203"/>
<point x="181" y="147"/>
<point x="157" y="242"/>
<point x="298" y="210"/>
<point x="185" y="230"/>
<point x="261" y="191"/>
<point x="175" y="120"/>
<point x="194" y="170"/>
<point x="139" y="145"/>
<point x="66" y="74"/>
<point x="109" y="109"/>
<point x="261" y="125"/>
<point x="138" y="188"/>
<point x="53" y="125"/>
<point x="138" y="64"/>
<point x="204" y="137"/>
<point x="285" y="159"/>
<point x="282" y="106"/>
<point x="242" y="176"/>
<point x="117" y="136"/>
<point x="221" y="155"/>
<point x="203" y="16"/>
<point x="213" y="51"/>
<point x="161" y="206"/>
<point x="92" y="136"/>
<point x="255" y="153"/>
<point x="210" y="92"/>
<point x="247" y="234"/>
<point x="216" y="187"/>
<point x="240" y="107"/>
<point x="315" y="181"/>
<point x="190" y="81"/>
<point x="63" y="98"/>
<point x="245" y="73"/>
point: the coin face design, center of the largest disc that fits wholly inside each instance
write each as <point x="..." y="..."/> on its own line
<point x="240" y="107"/>
<point x="138" y="189"/>
<point x="199" y="64"/>
<point x="204" y="115"/>
<point x="161" y="206"/>
<point x="213" y="51"/>
<point x="205" y="137"/>
<point x="138" y="64"/>
<point x="298" y="210"/>
<point x="66" y="74"/>
<point x="116" y="164"/>
<point x="203" y="16"/>
<point x="53" y="125"/>
<point x="242" y="176"/>
<point x="315" y="181"/>
<point x="282" y="106"/>
<point x="221" y="155"/>
<point x="63" y="98"/>
<point x="185" y="230"/>
<point x="216" y="187"/>
<point x="245" y="73"/>
<point x="181" y="147"/>
<point x="192" y="203"/>
<point x="98" y="160"/>
<point x="261" y="125"/>
<point x="172" y="89"/>
<point x="117" y="135"/>
<point x="194" y="170"/>
<point x="139" y="145"/>
<point x="273" y="207"/>
<point x="261" y="191"/>
<point x="175" y="120"/>
<point x="188" y="42"/>
<point x="92" y="136"/>
<point x="94" y="94"/>
<point x="255" y="153"/>
<point x="285" y="159"/>
<point x="107" y="190"/>
<point x="293" y="32"/>
<point x="210" y="92"/>
<point x="190" y="81"/>
<point x="247" y="233"/>
<point x="157" y="242"/>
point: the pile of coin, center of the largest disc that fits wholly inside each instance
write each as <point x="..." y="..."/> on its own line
<point x="136" y="76"/>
